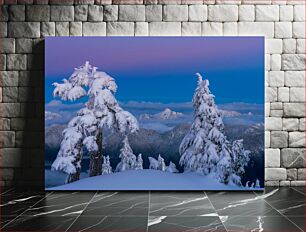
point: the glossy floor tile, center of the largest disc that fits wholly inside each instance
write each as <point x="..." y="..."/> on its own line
<point x="180" y="204"/>
<point x="14" y="203"/>
<point x="275" y="209"/>
<point x="48" y="207"/>
<point x="259" y="223"/>
<point x="286" y="201"/>
<point x="185" y="224"/>
<point x="301" y="190"/>
<point x="298" y="221"/>
<point x="110" y="223"/>
<point x="118" y="204"/>
<point x="39" y="223"/>
<point x="240" y="203"/>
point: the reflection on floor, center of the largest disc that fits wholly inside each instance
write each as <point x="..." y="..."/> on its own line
<point x="276" y="209"/>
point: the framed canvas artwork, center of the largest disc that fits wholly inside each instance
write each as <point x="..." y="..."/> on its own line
<point x="154" y="113"/>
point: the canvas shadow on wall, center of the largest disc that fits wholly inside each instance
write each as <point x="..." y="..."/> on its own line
<point x="154" y="113"/>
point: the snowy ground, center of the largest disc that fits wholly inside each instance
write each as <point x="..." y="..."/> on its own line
<point x="55" y="178"/>
<point x="148" y="179"/>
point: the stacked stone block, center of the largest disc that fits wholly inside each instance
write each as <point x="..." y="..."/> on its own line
<point x="24" y="24"/>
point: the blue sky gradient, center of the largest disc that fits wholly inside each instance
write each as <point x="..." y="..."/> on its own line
<point x="161" y="69"/>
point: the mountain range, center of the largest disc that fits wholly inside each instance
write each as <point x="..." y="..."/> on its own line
<point x="166" y="114"/>
<point x="50" y="115"/>
<point x="151" y="143"/>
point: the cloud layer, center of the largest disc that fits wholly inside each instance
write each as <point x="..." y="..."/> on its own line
<point x="238" y="113"/>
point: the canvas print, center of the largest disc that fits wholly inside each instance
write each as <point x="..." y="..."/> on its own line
<point x="154" y="113"/>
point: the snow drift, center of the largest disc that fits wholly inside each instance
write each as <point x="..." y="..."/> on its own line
<point x="148" y="179"/>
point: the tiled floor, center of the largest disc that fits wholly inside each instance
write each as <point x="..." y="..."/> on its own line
<point x="274" y="210"/>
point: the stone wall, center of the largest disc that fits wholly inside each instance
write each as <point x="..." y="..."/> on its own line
<point x="24" y="24"/>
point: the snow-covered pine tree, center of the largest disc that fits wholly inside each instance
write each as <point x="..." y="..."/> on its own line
<point x="172" y="168"/>
<point x="153" y="163"/>
<point x="157" y="164"/>
<point x="128" y="159"/>
<point x="200" y="148"/>
<point x="106" y="167"/>
<point x="110" y="169"/>
<point x="240" y="158"/>
<point x="257" y="185"/>
<point x="161" y="163"/>
<point x="101" y="109"/>
<point x="205" y="148"/>
<point x="139" y="162"/>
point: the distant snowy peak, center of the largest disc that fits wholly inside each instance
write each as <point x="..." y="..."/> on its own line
<point x="50" y="115"/>
<point x="144" y="117"/>
<point x="255" y="128"/>
<point x="164" y="115"/>
<point x="168" y="114"/>
<point x="230" y="113"/>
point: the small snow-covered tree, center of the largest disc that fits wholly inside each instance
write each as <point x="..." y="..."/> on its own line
<point x="128" y="159"/>
<point x="257" y="185"/>
<point x="224" y="171"/>
<point x="106" y="167"/>
<point x="101" y="109"/>
<point x="139" y="162"/>
<point x="153" y="163"/>
<point x="172" y="168"/>
<point x="240" y="158"/>
<point x="205" y="148"/>
<point x="161" y="163"/>
<point x="157" y="164"/>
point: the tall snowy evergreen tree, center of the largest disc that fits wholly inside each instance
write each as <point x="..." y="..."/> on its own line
<point x="201" y="146"/>
<point x="128" y="159"/>
<point x="101" y="109"/>
<point x="205" y="148"/>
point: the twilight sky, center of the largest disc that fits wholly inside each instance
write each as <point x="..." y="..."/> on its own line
<point x="162" y="69"/>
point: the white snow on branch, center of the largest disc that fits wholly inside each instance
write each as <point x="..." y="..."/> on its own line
<point x="67" y="157"/>
<point x="102" y="109"/>
<point x="90" y="143"/>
